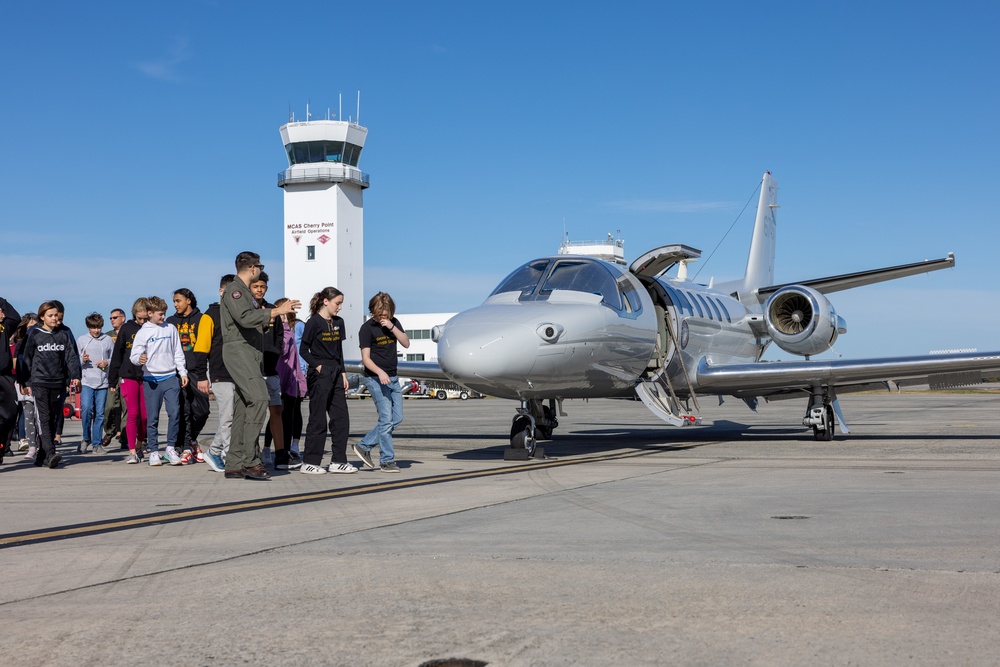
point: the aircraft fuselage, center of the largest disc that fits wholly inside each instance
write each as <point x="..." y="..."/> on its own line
<point x="579" y="327"/>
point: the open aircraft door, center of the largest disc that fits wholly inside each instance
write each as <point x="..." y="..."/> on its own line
<point x="657" y="391"/>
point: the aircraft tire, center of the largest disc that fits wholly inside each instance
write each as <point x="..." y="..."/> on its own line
<point x="520" y="434"/>
<point x="825" y="434"/>
<point x="441" y="395"/>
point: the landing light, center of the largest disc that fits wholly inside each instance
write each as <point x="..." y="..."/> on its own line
<point x="548" y="332"/>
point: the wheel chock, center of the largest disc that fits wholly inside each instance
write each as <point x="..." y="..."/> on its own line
<point x="521" y="454"/>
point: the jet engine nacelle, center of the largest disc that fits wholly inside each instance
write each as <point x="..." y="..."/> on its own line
<point x="802" y="321"/>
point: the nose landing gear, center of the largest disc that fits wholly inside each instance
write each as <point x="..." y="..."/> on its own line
<point x="532" y="423"/>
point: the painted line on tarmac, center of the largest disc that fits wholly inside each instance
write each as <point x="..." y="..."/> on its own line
<point x="160" y="518"/>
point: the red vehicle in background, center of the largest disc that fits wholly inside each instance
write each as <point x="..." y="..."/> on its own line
<point x="71" y="408"/>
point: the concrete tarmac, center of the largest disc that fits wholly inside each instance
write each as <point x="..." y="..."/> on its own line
<point x="743" y="543"/>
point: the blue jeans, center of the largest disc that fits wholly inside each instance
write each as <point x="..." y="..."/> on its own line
<point x="92" y="412"/>
<point x="157" y="393"/>
<point x="389" y="403"/>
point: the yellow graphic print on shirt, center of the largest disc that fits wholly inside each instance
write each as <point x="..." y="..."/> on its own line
<point x="186" y="330"/>
<point x="331" y="336"/>
<point x="384" y="340"/>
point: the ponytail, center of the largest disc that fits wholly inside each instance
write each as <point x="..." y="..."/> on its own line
<point x="327" y="293"/>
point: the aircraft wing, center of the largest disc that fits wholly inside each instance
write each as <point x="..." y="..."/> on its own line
<point x="766" y="379"/>
<point x="851" y="280"/>
<point x="421" y="370"/>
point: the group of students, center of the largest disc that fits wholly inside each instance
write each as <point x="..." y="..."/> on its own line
<point x="126" y="375"/>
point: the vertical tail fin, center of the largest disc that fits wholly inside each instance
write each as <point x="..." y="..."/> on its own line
<point x="760" y="263"/>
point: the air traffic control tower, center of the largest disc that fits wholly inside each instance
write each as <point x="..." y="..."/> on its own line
<point x="324" y="217"/>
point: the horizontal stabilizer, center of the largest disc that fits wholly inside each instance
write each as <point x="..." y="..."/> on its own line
<point x="851" y="280"/>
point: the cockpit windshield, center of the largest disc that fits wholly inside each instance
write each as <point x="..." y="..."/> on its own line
<point x="524" y="279"/>
<point x="576" y="274"/>
<point x="580" y="275"/>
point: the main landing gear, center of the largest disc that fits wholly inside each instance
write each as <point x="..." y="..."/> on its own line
<point x="820" y="415"/>
<point x="532" y="423"/>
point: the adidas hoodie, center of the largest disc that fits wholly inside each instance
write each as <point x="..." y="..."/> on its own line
<point x="50" y="358"/>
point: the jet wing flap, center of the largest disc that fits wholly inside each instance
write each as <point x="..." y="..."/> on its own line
<point x="852" y="280"/>
<point x="421" y="370"/>
<point x="773" y="378"/>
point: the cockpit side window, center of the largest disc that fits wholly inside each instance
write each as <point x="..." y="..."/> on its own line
<point x="524" y="279"/>
<point x="630" y="296"/>
<point x="583" y="276"/>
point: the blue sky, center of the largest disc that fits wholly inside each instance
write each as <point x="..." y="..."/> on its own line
<point x="142" y="144"/>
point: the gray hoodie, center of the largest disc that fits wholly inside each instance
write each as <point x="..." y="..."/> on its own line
<point x="99" y="350"/>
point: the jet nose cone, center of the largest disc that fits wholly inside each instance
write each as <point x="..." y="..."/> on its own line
<point x="484" y="352"/>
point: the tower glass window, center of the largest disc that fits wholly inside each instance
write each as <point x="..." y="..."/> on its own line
<point x="307" y="152"/>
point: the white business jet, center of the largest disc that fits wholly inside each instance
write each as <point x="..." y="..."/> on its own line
<point x="567" y="327"/>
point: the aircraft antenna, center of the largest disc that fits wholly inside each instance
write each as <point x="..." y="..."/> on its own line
<point x="708" y="259"/>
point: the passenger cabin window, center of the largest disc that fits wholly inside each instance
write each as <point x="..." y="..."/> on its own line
<point x="681" y="300"/>
<point x="708" y="308"/>
<point x="725" y="311"/>
<point x="694" y="302"/>
<point x="583" y="276"/>
<point x="524" y="279"/>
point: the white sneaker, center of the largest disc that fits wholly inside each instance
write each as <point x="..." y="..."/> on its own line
<point x="154" y="459"/>
<point x="23" y="445"/>
<point x="310" y="469"/>
<point x="132" y="458"/>
<point x="344" y="468"/>
<point x="32" y="452"/>
<point x="172" y="457"/>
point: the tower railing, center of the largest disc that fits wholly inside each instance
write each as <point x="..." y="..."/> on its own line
<point x="333" y="173"/>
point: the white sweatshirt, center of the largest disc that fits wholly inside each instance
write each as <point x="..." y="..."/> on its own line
<point x="162" y="346"/>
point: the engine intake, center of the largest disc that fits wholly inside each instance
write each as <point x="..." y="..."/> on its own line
<point x="802" y="321"/>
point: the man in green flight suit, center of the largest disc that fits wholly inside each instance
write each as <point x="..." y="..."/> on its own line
<point x="242" y="337"/>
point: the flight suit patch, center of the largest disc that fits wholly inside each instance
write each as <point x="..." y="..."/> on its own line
<point x="237" y="294"/>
